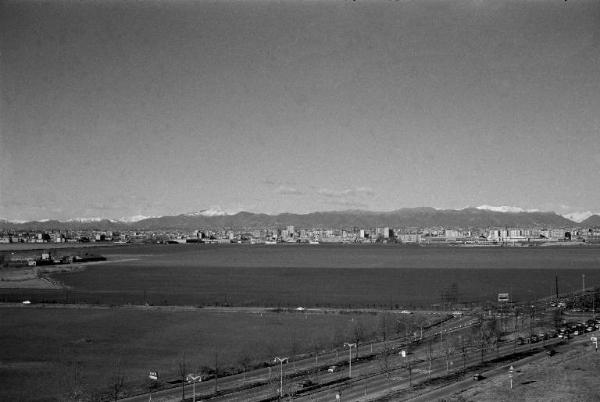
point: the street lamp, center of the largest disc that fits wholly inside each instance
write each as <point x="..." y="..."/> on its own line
<point x="280" y="360"/>
<point x="193" y="378"/>
<point x="349" y="346"/>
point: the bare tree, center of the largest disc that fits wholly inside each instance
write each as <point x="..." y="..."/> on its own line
<point x="429" y="357"/>
<point x="420" y="321"/>
<point x="183" y="371"/>
<point x="356" y="332"/>
<point x="245" y="360"/>
<point x="386" y="325"/>
<point x="117" y="380"/>
<point x="73" y="381"/>
<point x="384" y="360"/>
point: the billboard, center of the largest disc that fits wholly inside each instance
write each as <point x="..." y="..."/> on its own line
<point x="503" y="298"/>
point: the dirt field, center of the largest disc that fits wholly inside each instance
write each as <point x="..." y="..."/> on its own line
<point x="26" y="278"/>
<point x="40" y="277"/>
<point x="569" y="376"/>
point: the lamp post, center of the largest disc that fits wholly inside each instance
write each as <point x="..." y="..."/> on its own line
<point x="153" y="375"/>
<point x="280" y="360"/>
<point x="349" y="346"/>
<point x="193" y="378"/>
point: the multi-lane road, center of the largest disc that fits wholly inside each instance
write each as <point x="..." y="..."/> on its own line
<point x="262" y="384"/>
<point x="380" y="371"/>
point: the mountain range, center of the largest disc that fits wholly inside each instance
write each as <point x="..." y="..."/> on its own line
<point x="406" y="217"/>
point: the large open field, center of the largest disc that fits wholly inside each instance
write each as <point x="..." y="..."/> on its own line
<point x="48" y="353"/>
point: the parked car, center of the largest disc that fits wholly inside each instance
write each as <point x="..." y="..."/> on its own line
<point x="478" y="377"/>
<point x="331" y="369"/>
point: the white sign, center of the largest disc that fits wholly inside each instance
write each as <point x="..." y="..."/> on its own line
<point x="403" y="353"/>
<point x="153" y="375"/>
<point x="594" y="339"/>
<point x="193" y="378"/>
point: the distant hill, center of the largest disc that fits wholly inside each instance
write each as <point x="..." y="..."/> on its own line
<point x="592" y="221"/>
<point x="104" y="224"/>
<point x="405" y="217"/>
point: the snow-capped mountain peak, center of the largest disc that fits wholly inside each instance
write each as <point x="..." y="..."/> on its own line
<point x="80" y="220"/>
<point x="216" y="211"/>
<point x="580" y="216"/>
<point x="135" y="218"/>
<point x="506" y="208"/>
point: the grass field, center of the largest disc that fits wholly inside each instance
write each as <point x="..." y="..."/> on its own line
<point x="572" y="376"/>
<point x="53" y="351"/>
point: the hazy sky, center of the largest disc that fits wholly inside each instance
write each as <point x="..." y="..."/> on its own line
<point x="112" y="109"/>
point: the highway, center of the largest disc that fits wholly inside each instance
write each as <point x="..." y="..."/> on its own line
<point x="373" y="376"/>
<point x="266" y="377"/>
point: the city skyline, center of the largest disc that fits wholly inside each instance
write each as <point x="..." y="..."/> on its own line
<point x="155" y="108"/>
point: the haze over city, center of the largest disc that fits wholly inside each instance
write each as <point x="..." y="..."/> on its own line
<point x="117" y="109"/>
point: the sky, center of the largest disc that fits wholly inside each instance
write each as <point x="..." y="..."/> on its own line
<point x="146" y="108"/>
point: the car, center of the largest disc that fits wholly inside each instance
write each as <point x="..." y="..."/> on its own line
<point x="551" y="352"/>
<point x="406" y="312"/>
<point x="332" y="369"/>
<point x="306" y="383"/>
<point x="478" y="377"/>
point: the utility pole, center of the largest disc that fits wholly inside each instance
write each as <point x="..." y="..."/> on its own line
<point x="317" y="366"/>
<point x="216" y="372"/>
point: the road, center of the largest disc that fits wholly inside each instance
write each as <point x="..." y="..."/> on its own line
<point x="266" y="377"/>
<point x="373" y="376"/>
